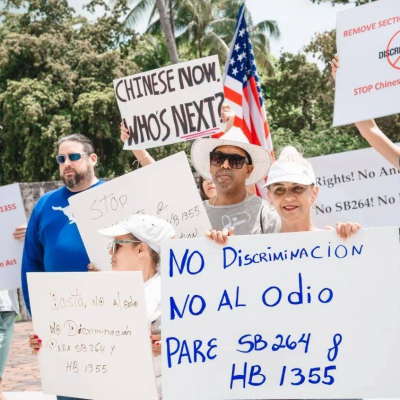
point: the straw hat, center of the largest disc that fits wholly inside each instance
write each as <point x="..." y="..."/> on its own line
<point x="201" y="148"/>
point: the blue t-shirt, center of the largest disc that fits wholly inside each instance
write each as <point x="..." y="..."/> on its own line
<point x="53" y="242"/>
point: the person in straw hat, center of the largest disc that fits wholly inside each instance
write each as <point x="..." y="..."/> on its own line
<point x="232" y="163"/>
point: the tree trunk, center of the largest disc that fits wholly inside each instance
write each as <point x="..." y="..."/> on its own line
<point x="171" y="17"/>
<point x="166" y="27"/>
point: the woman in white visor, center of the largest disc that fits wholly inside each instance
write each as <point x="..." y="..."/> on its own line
<point x="292" y="192"/>
<point x="136" y="246"/>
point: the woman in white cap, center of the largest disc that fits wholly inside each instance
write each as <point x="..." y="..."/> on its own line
<point x="136" y="246"/>
<point x="292" y="192"/>
<point x="371" y="132"/>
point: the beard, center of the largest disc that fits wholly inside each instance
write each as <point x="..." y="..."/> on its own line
<point x="73" y="180"/>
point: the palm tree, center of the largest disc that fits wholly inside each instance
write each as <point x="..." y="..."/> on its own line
<point x="209" y="25"/>
<point x="157" y="6"/>
<point x="206" y="27"/>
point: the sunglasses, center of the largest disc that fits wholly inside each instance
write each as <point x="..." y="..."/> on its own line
<point x="116" y="244"/>
<point x="61" y="158"/>
<point x="236" y="161"/>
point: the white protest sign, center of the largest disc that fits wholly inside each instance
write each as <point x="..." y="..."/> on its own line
<point x="12" y="215"/>
<point x="171" y="104"/>
<point x="165" y="189"/>
<point x="368" y="80"/>
<point x="358" y="186"/>
<point x="284" y="316"/>
<point x="95" y="335"/>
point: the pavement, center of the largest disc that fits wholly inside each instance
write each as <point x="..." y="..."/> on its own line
<point x="22" y="376"/>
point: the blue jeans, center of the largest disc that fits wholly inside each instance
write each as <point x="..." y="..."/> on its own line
<point x="6" y="331"/>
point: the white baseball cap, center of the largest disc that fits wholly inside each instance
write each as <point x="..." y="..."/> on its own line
<point x="290" y="172"/>
<point x="149" y="229"/>
<point x="291" y="167"/>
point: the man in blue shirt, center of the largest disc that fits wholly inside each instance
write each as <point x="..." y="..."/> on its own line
<point x="53" y="242"/>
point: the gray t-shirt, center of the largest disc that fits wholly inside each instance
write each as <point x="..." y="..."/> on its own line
<point x="9" y="300"/>
<point x="251" y="216"/>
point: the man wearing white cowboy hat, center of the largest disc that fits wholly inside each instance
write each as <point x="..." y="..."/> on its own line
<point x="232" y="163"/>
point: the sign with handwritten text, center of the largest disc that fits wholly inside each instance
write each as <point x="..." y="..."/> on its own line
<point x="12" y="215"/>
<point x="165" y="189"/>
<point x="171" y="104"/>
<point x="284" y="316"/>
<point x="94" y="332"/>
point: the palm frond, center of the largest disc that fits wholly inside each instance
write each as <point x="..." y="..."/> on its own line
<point x="153" y="15"/>
<point x="268" y="27"/>
<point x="137" y="12"/>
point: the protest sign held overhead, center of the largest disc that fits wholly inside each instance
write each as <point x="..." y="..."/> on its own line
<point x="12" y="215"/>
<point x="94" y="330"/>
<point x="282" y="316"/>
<point x="171" y="104"/>
<point x="368" y="80"/>
<point x="358" y="186"/>
<point x="154" y="190"/>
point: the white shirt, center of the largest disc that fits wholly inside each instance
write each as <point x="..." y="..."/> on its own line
<point x="152" y="290"/>
<point x="9" y="300"/>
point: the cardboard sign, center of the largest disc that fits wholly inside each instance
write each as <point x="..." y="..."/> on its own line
<point x="284" y="316"/>
<point x="95" y="335"/>
<point x="171" y="104"/>
<point x="12" y="215"/>
<point x="359" y="186"/>
<point x="368" y="80"/>
<point x="165" y="189"/>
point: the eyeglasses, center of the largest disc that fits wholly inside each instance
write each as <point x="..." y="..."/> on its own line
<point x="236" y="161"/>
<point x="116" y="244"/>
<point x="61" y="158"/>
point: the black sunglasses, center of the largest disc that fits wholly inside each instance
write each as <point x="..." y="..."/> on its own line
<point x="61" y="158"/>
<point x="236" y="161"/>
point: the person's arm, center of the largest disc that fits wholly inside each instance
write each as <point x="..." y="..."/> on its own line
<point x="379" y="141"/>
<point x="371" y="133"/>
<point x="220" y="237"/>
<point x="345" y="230"/>
<point x="227" y="116"/>
<point x="142" y="156"/>
<point x="19" y="233"/>
<point x="32" y="260"/>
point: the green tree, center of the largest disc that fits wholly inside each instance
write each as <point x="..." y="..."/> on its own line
<point x="301" y="99"/>
<point x="205" y="27"/>
<point x="56" y="73"/>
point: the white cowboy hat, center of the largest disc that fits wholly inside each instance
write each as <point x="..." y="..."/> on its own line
<point x="149" y="229"/>
<point x="260" y="157"/>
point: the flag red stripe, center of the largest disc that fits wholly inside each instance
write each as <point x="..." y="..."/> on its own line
<point x="233" y="96"/>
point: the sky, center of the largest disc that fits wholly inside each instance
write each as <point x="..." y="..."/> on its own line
<point x="298" y="20"/>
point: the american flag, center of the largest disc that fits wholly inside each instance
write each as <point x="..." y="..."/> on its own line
<point x="242" y="88"/>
